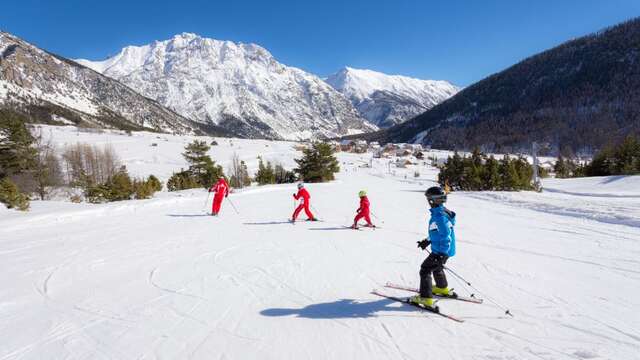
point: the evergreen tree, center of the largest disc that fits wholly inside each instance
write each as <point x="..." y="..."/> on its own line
<point x="508" y="174"/>
<point x="11" y="196"/>
<point x="561" y="168"/>
<point x="265" y="174"/>
<point x="16" y="151"/>
<point x="627" y="157"/>
<point x="491" y="174"/>
<point x="201" y="166"/>
<point x="318" y="163"/>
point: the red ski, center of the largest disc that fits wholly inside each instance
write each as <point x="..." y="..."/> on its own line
<point x="435" y="310"/>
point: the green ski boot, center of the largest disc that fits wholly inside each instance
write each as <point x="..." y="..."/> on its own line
<point x="441" y="291"/>
<point x="423" y="301"/>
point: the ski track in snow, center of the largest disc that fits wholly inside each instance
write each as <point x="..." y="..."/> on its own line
<point x="160" y="279"/>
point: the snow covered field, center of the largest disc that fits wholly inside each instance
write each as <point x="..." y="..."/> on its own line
<point x="159" y="279"/>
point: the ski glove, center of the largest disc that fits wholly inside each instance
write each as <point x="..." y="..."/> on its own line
<point x="423" y="244"/>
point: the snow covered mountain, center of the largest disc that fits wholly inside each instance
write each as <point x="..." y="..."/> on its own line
<point x="386" y="100"/>
<point x="240" y="87"/>
<point x="47" y="88"/>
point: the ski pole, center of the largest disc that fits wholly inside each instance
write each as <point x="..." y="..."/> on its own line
<point x="506" y="310"/>
<point x="204" y="206"/>
<point x="316" y="211"/>
<point x="233" y="206"/>
<point x="374" y="215"/>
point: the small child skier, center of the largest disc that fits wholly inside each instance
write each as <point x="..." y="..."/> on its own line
<point x="363" y="211"/>
<point x="304" y="195"/>
<point x="442" y="239"/>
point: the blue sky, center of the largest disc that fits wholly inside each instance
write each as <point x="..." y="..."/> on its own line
<point x="459" y="41"/>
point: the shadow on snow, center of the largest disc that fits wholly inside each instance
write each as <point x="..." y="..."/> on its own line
<point x="332" y="228"/>
<point x="340" y="309"/>
<point x="187" y="215"/>
<point x="267" y="223"/>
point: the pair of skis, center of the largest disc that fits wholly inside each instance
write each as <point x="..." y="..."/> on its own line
<point x="435" y="310"/>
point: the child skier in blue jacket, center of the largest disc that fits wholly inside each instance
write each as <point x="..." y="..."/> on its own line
<point x="442" y="239"/>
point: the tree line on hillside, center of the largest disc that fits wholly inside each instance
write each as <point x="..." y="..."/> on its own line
<point x="579" y="95"/>
<point x="318" y="164"/>
<point x="480" y="172"/>
<point x="614" y="159"/>
<point x="31" y="166"/>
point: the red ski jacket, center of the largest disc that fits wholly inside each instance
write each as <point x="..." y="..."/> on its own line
<point x="364" y="205"/>
<point x="221" y="187"/>
<point x="304" y="194"/>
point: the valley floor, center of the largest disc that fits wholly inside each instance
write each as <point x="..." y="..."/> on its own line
<point x="160" y="279"/>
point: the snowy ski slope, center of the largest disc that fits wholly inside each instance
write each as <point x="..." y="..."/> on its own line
<point x="158" y="279"/>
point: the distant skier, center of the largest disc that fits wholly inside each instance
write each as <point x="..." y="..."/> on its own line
<point x="221" y="190"/>
<point x="442" y="239"/>
<point x="363" y="211"/>
<point x="304" y="195"/>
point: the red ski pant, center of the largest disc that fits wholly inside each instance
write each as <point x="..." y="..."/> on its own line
<point x="361" y="215"/>
<point x="306" y="211"/>
<point x="217" y="203"/>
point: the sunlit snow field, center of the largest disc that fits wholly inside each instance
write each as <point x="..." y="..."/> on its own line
<point x="160" y="279"/>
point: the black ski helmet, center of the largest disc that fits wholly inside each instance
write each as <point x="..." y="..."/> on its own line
<point x="435" y="196"/>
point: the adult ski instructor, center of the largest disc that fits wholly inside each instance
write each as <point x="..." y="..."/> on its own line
<point x="442" y="239"/>
<point x="221" y="190"/>
<point x="304" y="195"/>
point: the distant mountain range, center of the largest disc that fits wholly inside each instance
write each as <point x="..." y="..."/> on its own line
<point x="387" y="100"/>
<point x="578" y="96"/>
<point x="240" y="87"/>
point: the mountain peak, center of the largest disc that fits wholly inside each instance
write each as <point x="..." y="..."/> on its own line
<point x="386" y="100"/>
<point x="239" y="86"/>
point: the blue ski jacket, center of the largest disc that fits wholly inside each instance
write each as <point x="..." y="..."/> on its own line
<point x="441" y="234"/>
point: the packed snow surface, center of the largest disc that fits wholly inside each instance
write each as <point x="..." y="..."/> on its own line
<point x="159" y="278"/>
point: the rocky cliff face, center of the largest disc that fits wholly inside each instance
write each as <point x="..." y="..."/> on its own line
<point x="240" y="87"/>
<point x="387" y="100"/>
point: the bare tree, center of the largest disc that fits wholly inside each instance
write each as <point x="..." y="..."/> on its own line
<point x="47" y="172"/>
<point x="239" y="175"/>
<point x="87" y="165"/>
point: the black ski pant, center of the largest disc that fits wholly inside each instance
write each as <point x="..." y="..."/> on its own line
<point x="433" y="264"/>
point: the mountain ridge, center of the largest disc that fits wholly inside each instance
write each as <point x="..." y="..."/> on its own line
<point x="48" y="88"/>
<point x="387" y="100"/>
<point x="578" y="96"/>
<point x="238" y="86"/>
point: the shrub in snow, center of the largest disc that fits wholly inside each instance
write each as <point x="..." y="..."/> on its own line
<point x="156" y="184"/>
<point x="181" y="181"/>
<point x="118" y="187"/>
<point x="12" y="197"/>
<point x="142" y="189"/>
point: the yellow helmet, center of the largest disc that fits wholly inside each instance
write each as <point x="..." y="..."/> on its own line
<point x="362" y="193"/>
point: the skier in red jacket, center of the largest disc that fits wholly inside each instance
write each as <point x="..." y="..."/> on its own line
<point x="304" y="195"/>
<point x="363" y="211"/>
<point x="221" y="188"/>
